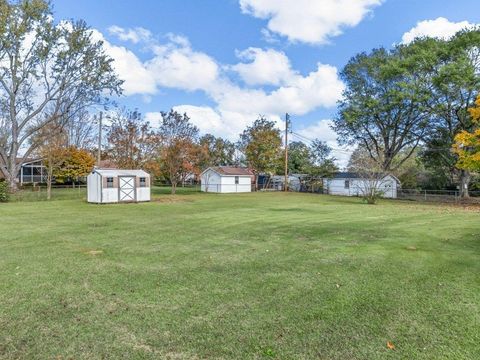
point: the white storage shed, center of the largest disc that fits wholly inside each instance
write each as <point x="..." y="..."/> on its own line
<point x="114" y="185"/>
<point x="227" y="179"/>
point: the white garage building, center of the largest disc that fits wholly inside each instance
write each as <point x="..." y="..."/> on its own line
<point x="115" y="185"/>
<point x="226" y="179"/>
<point x="352" y="184"/>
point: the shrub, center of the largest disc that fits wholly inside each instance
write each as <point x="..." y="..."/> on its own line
<point x="4" y="194"/>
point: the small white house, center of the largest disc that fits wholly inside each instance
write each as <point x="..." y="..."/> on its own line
<point x="115" y="185"/>
<point x="226" y="179"/>
<point x="351" y="184"/>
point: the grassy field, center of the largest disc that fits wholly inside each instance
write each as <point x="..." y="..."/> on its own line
<point x="250" y="276"/>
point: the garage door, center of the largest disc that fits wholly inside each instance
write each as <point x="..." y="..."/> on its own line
<point x="126" y="188"/>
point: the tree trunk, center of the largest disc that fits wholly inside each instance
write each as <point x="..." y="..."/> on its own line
<point x="49" y="188"/>
<point x="11" y="175"/>
<point x="464" y="182"/>
<point x="174" y="188"/>
<point x="49" y="184"/>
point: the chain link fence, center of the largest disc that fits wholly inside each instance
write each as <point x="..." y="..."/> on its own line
<point x="59" y="192"/>
<point x="445" y="196"/>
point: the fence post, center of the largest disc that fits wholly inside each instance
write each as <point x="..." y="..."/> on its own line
<point x="425" y="195"/>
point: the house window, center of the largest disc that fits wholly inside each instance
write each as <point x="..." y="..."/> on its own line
<point x="237" y="180"/>
<point x="347" y="184"/>
<point x="143" y="182"/>
<point x="109" y="182"/>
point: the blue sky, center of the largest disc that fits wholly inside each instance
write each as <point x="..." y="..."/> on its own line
<point x="226" y="61"/>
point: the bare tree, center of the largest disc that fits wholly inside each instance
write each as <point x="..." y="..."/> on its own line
<point x="81" y="128"/>
<point x="44" y="69"/>
<point x="370" y="184"/>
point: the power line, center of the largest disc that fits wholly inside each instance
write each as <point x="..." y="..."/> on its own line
<point x="310" y="141"/>
<point x="304" y="138"/>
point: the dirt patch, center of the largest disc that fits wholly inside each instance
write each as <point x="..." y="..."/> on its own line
<point x="172" y="200"/>
<point x="93" y="252"/>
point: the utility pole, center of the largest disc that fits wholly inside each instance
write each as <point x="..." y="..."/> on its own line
<point x="99" y="154"/>
<point x="287" y="121"/>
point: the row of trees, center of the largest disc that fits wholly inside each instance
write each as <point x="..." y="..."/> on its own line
<point x="51" y="74"/>
<point x="176" y="150"/>
<point x="410" y="103"/>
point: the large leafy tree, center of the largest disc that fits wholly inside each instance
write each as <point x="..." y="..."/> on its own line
<point x="219" y="151"/>
<point x="453" y="68"/>
<point x="45" y="68"/>
<point x="298" y="158"/>
<point x="322" y="161"/>
<point x="261" y="144"/>
<point x="132" y="142"/>
<point x="384" y="106"/>
<point x="314" y="159"/>
<point x="180" y="154"/>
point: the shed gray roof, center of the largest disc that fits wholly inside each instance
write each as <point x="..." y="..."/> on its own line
<point x="120" y="172"/>
<point x="231" y="170"/>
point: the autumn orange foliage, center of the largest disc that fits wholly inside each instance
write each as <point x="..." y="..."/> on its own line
<point x="467" y="144"/>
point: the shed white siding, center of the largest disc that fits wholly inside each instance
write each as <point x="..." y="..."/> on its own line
<point x="124" y="188"/>
<point x="211" y="181"/>
<point x="338" y="186"/>
<point x="94" y="188"/>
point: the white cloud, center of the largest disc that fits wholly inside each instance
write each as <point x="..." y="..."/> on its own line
<point x="204" y="117"/>
<point x="221" y="121"/>
<point x="322" y="130"/>
<point x="313" y="22"/>
<point x="154" y="118"/>
<point x="175" y="64"/>
<point x="264" y="67"/>
<point x="134" y="35"/>
<point x="320" y="88"/>
<point x="439" y="28"/>
<point x="137" y="78"/>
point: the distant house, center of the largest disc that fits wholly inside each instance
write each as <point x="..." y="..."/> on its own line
<point x="352" y="184"/>
<point x="227" y="179"/>
<point x="31" y="171"/>
<point x="115" y="185"/>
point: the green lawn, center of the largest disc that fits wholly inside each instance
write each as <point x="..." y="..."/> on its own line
<point x="248" y="276"/>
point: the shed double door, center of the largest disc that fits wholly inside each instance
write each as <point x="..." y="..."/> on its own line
<point x="126" y="188"/>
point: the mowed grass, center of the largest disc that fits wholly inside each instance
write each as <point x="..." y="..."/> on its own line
<point x="247" y="276"/>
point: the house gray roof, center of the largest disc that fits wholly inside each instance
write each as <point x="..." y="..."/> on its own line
<point x="354" y="175"/>
<point x="345" y="175"/>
